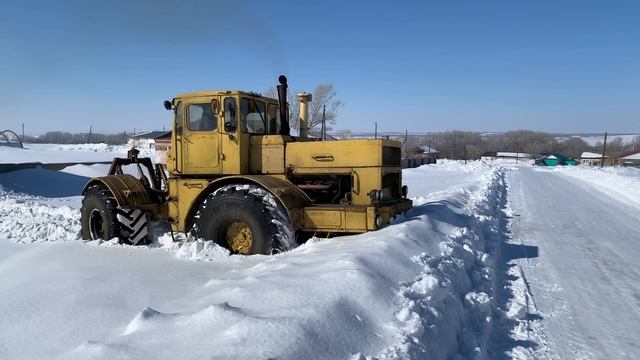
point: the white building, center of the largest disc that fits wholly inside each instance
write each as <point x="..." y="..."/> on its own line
<point x="591" y="159"/>
<point x="145" y="140"/>
<point x="630" y="160"/>
<point x="506" y="157"/>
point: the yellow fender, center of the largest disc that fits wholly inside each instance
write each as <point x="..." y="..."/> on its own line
<point x="290" y="196"/>
<point x="126" y="189"/>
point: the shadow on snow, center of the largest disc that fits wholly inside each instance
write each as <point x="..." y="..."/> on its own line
<point x="42" y="182"/>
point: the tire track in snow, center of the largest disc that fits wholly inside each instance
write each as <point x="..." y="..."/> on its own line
<point x="586" y="276"/>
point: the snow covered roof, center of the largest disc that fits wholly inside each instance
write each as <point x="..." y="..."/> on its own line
<point x="635" y="156"/>
<point x="551" y="157"/>
<point x="512" y="154"/>
<point x="427" y="149"/>
<point x="590" y="155"/>
<point x="151" y="135"/>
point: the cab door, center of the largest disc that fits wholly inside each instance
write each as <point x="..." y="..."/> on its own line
<point x="201" y="138"/>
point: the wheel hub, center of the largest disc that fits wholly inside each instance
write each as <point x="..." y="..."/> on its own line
<point x="239" y="237"/>
<point x="97" y="226"/>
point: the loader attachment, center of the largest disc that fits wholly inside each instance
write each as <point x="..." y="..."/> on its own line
<point x="158" y="178"/>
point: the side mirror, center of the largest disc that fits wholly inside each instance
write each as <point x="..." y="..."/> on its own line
<point x="168" y="105"/>
<point x="214" y="106"/>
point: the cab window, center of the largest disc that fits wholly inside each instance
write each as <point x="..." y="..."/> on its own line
<point x="230" y="119"/>
<point x="201" y="118"/>
<point x="253" y="115"/>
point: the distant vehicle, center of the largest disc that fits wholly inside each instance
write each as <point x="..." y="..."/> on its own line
<point x="237" y="177"/>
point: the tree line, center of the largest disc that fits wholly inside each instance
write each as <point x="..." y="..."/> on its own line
<point x="62" y="137"/>
<point x="472" y="145"/>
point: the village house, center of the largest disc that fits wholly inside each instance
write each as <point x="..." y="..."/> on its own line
<point x="591" y="159"/>
<point x="507" y="157"/>
<point x="630" y="159"/>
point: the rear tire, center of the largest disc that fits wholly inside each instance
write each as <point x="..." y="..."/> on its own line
<point x="246" y="220"/>
<point x="101" y="219"/>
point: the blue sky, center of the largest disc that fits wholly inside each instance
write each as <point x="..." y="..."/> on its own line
<point x="559" y="66"/>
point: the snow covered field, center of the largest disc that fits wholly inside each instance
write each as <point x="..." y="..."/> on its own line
<point x="56" y="153"/>
<point x="492" y="262"/>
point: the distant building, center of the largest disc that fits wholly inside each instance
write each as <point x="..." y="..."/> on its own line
<point x="555" y="159"/>
<point x="146" y="140"/>
<point x="156" y="140"/>
<point x="161" y="145"/>
<point x="630" y="159"/>
<point x="507" y="157"/>
<point x="591" y="159"/>
<point x="422" y="155"/>
<point x="565" y="160"/>
<point x="426" y="152"/>
<point x="547" y="160"/>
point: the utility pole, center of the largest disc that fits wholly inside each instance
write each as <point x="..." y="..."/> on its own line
<point x="375" y="130"/>
<point x="465" y="154"/>
<point x="604" y="150"/>
<point x="90" y="129"/>
<point x="404" y="143"/>
<point x="23" y="132"/>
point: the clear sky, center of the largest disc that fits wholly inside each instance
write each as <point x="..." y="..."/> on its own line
<point x="550" y="65"/>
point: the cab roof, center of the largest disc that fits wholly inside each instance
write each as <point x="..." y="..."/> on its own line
<point x="220" y="92"/>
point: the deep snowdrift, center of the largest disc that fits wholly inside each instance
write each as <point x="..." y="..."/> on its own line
<point x="422" y="287"/>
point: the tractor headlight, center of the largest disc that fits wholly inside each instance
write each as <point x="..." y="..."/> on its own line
<point x="378" y="221"/>
<point x="375" y="195"/>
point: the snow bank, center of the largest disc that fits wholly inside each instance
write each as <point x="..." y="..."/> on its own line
<point x="420" y="288"/>
<point x="25" y="219"/>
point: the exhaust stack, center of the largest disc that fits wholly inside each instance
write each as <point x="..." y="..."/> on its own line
<point x="282" y="104"/>
<point x="304" y="99"/>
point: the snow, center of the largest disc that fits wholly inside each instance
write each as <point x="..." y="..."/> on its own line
<point x="635" y="156"/>
<point x="57" y="153"/>
<point x="591" y="155"/>
<point x="492" y="262"/>
<point x="88" y="171"/>
<point x="410" y="289"/>
<point x="512" y="154"/>
<point x="583" y="273"/>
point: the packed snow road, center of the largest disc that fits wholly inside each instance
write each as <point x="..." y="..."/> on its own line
<point x="584" y="278"/>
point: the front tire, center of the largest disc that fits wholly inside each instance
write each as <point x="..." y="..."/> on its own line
<point x="246" y="220"/>
<point x="101" y="219"/>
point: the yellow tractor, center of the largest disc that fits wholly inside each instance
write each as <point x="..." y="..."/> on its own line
<point x="235" y="175"/>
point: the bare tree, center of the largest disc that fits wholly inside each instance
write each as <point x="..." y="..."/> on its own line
<point x="323" y="96"/>
<point x="573" y="147"/>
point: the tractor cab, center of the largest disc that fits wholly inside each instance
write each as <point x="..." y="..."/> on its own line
<point x="213" y="130"/>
